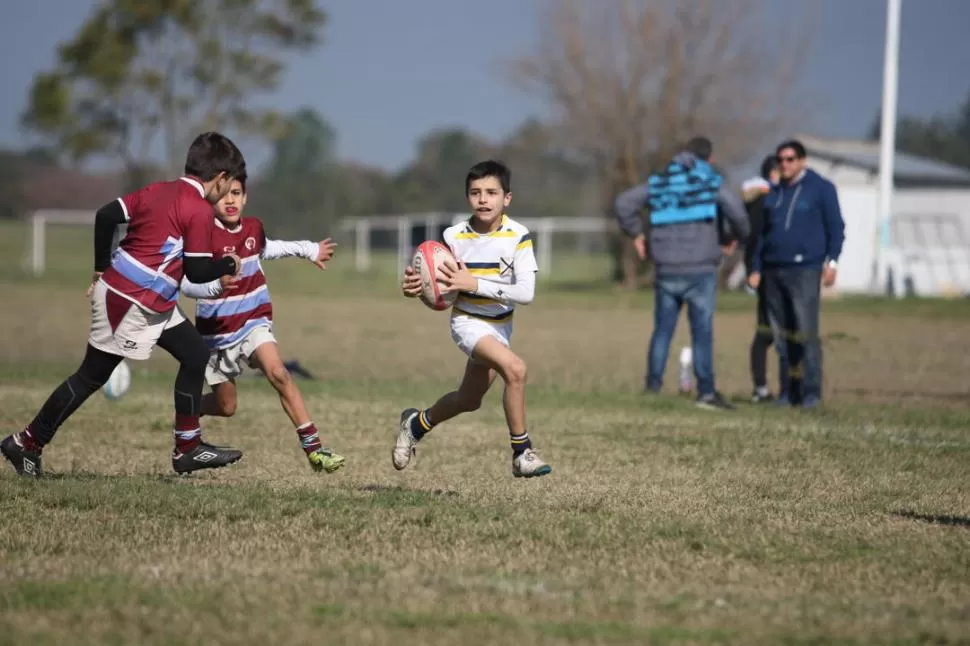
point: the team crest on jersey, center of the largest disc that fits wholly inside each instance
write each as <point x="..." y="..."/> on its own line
<point x="229" y="249"/>
<point x="250" y="243"/>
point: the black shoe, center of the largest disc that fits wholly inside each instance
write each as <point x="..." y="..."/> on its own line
<point x="27" y="463"/>
<point x="204" y="456"/>
<point x="713" y="401"/>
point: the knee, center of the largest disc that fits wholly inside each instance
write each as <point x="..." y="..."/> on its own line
<point x="197" y="359"/>
<point x="515" y="372"/>
<point x="279" y="376"/>
<point x="227" y="406"/>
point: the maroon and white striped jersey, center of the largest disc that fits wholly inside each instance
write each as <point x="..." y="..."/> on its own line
<point x="166" y="221"/>
<point x="224" y="318"/>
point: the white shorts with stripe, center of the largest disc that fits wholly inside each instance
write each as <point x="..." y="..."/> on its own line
<point x="467" y="331"/>
<point x="122" y="328"/>
<point x="228" y="363"/>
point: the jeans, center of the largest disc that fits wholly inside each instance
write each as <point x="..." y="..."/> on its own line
<point x="793" y="297"/>
<point x="698" y="291"/>
<point x="767" y="334"/>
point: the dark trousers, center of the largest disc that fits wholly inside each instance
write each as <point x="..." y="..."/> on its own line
<point x="793" y="297"/>
<point x="767" y="334"/>
<point x="672" y="292"/>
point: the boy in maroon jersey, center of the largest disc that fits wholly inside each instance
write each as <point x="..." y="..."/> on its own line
<point x="234" y="314"/>
<point x="134" y="301"/>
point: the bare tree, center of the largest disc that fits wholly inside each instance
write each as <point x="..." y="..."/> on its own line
<point x="631" y="80"/>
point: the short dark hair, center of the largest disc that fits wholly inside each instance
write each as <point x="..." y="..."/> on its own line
<point x="795" y="145"/>
<point x="701" y="147"/>
<point x="212" y="153"/>
<point x="490" y="168"/>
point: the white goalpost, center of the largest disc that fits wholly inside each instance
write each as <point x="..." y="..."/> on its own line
<point x="36" y="261"/>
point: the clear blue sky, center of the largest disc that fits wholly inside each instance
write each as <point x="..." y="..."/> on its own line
<point x="390" y="70"/>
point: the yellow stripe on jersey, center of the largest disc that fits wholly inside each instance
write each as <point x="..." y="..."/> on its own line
<point x="466" y="236"/>
<point x="525" y="242"/>
<point x="484" y="268"/>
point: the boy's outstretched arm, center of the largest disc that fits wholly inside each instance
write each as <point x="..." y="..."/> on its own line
<point x="316" y="252"/>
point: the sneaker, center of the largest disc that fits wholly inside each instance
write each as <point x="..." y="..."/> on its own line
<point x="404" y="450"/>
<point x="323" y="459"/>
<point x="761" y="396"/>
<point x="529" y="465"/>
<point x="713" y="401"/>
<point x="204" y="456"/>
<point x="26" y="463"/>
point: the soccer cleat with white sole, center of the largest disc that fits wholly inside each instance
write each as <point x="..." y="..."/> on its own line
<point x="323" y="459"/>
<point x="404" y="450"/>
<point x="529" y="465"/>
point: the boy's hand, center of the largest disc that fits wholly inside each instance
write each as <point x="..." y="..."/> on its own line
<point x="94" y="281"/>
<point x="457" y="279"/>
<point x="411" y="285"/>
<point x="228" y="282"/>
<point x="238" y="264"/>
<point x="754" y="279"/>
<point x="327" y="248"/>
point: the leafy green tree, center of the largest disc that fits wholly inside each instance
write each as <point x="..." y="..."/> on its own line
<point x="301" y="188"/>
<point x="148" y="75"/>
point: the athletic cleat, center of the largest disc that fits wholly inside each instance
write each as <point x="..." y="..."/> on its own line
<point x="204" y="456"/>
<point x="26" y="463"/>
<point x="529" y="465"/>
<point x="323" y="459"/>
<point x="404" y="450"/>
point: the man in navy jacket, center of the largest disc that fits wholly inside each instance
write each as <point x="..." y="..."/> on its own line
<point x="797" y="252"/>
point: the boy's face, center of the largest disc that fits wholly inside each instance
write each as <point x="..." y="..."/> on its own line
<point x="487" y="200"/>
<point x="229" y="208"/>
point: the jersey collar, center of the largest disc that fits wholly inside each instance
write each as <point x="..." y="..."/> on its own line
<point x="196" y="183"/>
<point x="222" y="226"/>
<point x="468" y="223"/>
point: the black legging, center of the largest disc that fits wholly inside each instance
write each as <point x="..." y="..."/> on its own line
<point x="182" y="341"/>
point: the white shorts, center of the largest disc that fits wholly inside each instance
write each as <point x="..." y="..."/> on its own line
<point x="467" y="331"/>
<point x="135" y="331"/>
<point x="228" y="363"/>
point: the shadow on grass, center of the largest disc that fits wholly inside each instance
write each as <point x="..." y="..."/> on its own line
<point x="950" y="521"/>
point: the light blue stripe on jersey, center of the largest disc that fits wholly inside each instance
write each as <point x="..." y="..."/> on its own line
<point x="250" y="267"/>
<point x="210" y="309"/>
<point x="226" y="340"/>
<point x="143" y="278"/>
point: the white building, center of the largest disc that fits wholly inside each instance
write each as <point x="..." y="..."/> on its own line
<point x="930" y="236"/>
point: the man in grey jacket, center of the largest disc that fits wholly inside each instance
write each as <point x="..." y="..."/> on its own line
<point x="684" y="200"/>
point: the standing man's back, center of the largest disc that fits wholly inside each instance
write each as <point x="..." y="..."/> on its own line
<point x="684" y="201"/>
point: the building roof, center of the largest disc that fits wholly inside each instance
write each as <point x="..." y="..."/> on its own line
<point x="909" y="169"/>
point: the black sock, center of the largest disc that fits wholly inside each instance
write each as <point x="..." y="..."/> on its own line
<point x="520" y="443"/>
<point x="421" y="424"/>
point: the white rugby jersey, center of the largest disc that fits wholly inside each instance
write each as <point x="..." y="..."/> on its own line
<point x="502" y="257"/>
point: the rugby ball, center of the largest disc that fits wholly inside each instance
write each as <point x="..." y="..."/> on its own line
<point x="428" y="259"/>
<point x="118" y="383"/>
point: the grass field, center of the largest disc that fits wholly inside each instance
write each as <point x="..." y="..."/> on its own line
<point x="659" y="523"/>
